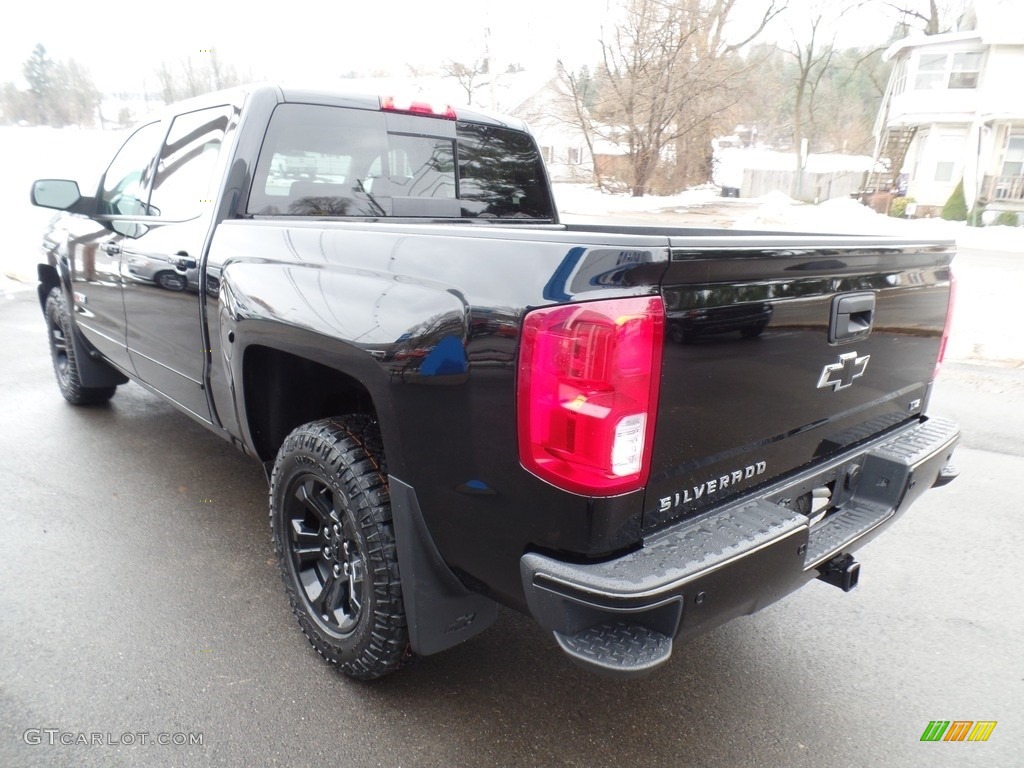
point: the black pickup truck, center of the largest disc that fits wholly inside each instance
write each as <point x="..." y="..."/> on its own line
<point x="632" y="434"/>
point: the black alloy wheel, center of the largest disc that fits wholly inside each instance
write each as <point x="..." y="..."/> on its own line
<point x="331" y="520"/>
<point x="325" y="554"/>
<point x="62" y="351"/>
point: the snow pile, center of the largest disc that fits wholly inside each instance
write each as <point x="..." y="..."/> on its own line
<point x="839" y="216"/>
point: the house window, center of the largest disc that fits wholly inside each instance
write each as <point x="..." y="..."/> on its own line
<point x="899" y="80"/>
<point x="946" y="150"/>
<point x="931" y="71"/>
<point x="940" y="71"/>
<point x="548" y="154"/>
<point x="575" y="156"/>
<point x="1013" y="161"/>
<point x="944" y="170"/>
<point x="964" y="73"/>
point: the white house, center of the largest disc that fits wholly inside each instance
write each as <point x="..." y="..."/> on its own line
<point x="546" y="107"/>
<point x="954" y="109"/>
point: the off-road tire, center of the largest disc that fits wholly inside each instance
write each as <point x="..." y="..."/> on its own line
<point x="330" y="514"/>
<point x="62" y="351"/>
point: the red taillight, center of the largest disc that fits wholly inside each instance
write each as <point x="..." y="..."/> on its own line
<point x="413" y="107"/>
<point x="587" y="393"/>
<point x="949" y="323"/>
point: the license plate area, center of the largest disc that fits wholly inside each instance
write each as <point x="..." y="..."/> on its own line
<point x="821" y="495"/>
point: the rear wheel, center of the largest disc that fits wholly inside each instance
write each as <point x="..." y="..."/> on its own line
<point x="331" y="519"/>
<point x="172" y="281"/>
<point x="65" y="366"/>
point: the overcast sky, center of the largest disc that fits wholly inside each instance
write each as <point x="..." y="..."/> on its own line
<point x="122" y="44"/>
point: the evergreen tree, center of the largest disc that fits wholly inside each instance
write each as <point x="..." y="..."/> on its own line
<point x="955" y="208"/>
<point x="58" y="93"/>
<point x="39" y="74"/>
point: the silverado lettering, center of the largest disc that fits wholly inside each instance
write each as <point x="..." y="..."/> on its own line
<point x="631" y="434"/>
<point x="712" y="486"/>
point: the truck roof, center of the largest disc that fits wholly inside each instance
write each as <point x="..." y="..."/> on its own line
<point x="297" y="93"/>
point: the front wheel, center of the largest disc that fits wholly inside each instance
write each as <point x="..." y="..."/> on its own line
<point x="62" y="350"/>
<point x="331" y="520"/>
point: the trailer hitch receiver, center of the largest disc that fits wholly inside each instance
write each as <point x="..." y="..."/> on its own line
<point x="841" y="571"/>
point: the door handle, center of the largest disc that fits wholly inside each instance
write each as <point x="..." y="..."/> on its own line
<point x="112" y="248"/>
<point x="182" y="260"/>
<point x="851" y="317"/>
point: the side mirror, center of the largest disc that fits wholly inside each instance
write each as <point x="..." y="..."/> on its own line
<point x="61" y="194"/>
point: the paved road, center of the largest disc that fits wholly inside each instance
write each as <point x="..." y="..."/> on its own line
<point x="139" y="597"/>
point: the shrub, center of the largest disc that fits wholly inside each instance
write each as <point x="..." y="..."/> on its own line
<point x="898" y="207"/>
<point x="955" y="208"/>
<point x="1007" y="219"/>
<point x="976" y="217"/>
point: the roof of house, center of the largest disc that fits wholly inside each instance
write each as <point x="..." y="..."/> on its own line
<point x="998" y="22"/>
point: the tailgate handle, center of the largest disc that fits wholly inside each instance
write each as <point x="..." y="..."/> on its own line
<point x="852" y="316"/>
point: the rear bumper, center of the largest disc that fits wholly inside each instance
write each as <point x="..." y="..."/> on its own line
<point x="622" y="616"/>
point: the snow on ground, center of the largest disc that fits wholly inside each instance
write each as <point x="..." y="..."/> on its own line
<point x="777" y="211"/>
<point x="984" y="329"/>
<point x="27" y="154"/>
<point x="587" y="200"/>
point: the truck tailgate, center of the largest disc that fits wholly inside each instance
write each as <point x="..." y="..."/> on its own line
<point x="783" y="352"/>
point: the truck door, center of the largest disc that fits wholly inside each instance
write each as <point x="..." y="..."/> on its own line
<point x="162" y="265"/>
<point x="94" y="245"/>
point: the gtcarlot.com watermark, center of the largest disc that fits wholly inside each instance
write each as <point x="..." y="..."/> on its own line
<point x="59" y="737"/>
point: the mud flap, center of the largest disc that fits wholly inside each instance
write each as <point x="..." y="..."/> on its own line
<point x="440" y="611"/>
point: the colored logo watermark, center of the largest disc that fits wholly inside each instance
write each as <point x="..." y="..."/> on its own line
<point x="958" y="730"/>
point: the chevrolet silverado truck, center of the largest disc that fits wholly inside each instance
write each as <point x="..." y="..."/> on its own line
<point x="631" y="434"/>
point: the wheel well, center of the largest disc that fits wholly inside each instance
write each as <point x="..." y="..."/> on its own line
<point x="48" y="280"/>
<point x="284" y="391"/>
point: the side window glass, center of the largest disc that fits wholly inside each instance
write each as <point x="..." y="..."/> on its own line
<point x="124" y="188"/>
<point x="185" y="173"/>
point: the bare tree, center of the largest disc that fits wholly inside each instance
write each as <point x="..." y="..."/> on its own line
<point x="932" y="17"/>
<point x="665" y="81"/>
<point x="190" y="77"/>
<point x="468" y="75"/>
<point x="813" y="48"/>
<point x="580" y="89"/>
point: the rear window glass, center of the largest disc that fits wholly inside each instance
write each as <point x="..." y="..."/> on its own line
<point x="421" y="166"/>
<point x="500" y="174"/>
<point x="332" y="161"/>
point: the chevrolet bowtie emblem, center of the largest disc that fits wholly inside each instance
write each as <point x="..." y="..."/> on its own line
<point x="840" y="374"/>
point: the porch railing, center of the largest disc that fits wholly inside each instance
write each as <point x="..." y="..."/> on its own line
<point x="1003" y="188"/>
